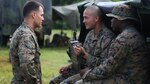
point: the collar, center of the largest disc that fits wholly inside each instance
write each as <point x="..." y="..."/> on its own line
<point x="25" y="24"/>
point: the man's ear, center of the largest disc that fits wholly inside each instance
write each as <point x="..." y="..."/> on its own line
<point x="33" y="14"/>
<point x="97" y="18"/>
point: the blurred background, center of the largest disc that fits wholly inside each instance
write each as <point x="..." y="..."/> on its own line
<point x="63" y="22"/>
<point x="59" y="15"/>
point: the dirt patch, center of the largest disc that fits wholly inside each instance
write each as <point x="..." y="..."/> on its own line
<point x="4" y="60"/>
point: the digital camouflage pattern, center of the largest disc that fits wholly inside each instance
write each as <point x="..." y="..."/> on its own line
<point x="122" y="12"/>
<point x="126" y="62"/>
<point x="61" y="77"/>
<point x="97" y="47"/>
<point x="25" y="56"/>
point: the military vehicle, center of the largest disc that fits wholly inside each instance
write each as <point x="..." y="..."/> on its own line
<point x="11" y="17"/>
<point x="143" y="9"/>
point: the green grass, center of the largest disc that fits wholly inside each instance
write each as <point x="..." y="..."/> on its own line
<point x="5" y="67"/>
<point x="52" y="59"/>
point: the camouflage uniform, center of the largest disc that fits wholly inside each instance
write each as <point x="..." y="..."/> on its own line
<point x="127" y="59"/>
<point x="97" y="47"/>
<point x="25" y="56"/>
<point x="126" y="62"/>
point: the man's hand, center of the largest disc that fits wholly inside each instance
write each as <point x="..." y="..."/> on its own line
<point x="64" y="70"/>
<point x="82" y="72"/>
<point x="38" y="81"/>
<point x="79" y="50"/>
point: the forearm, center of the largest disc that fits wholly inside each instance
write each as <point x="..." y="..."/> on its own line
<point x="29" y="69"/>
<point x="116" y="57"/>
<point x="92" y="61"/>
<point x="31" y="73"/>
<point x="98" y="72"/>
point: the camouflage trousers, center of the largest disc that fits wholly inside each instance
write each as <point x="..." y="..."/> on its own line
<point x="104" y="81"/>
<point x="76" y="79"/>
<point x="60" y="78"/>
<point x="96" y="82"/>
<point x="31" y="81"/>
<point x="72" y="79"/>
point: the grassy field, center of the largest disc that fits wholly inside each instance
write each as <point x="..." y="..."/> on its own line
<point x="51" y="61"/>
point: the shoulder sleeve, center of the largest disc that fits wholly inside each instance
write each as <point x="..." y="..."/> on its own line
<point x="26" y="53"/>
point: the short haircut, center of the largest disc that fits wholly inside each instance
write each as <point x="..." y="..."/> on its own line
<point x="31" y="6"/>
<point x="96" y="10"/>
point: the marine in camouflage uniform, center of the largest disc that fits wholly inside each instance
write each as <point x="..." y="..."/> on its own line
<point x="126" y="62"/>
<point x="96" y="45"/>
<point x="24" y="49"/>
<point x="25" y="56"/>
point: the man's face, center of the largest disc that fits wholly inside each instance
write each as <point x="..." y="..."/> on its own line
<point x="39" y="18"/>
<point x="115" y="24"/>
<point x="89" y="19"/>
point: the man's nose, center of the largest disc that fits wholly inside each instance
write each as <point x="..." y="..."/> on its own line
<point x="42" y="18"/>
<point x="83" y="21"/>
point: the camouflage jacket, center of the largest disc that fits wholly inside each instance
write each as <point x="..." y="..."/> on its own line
<point x="97" y="45"/>
<point x="25" y="56"/>
<point x="126" y="62"/>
